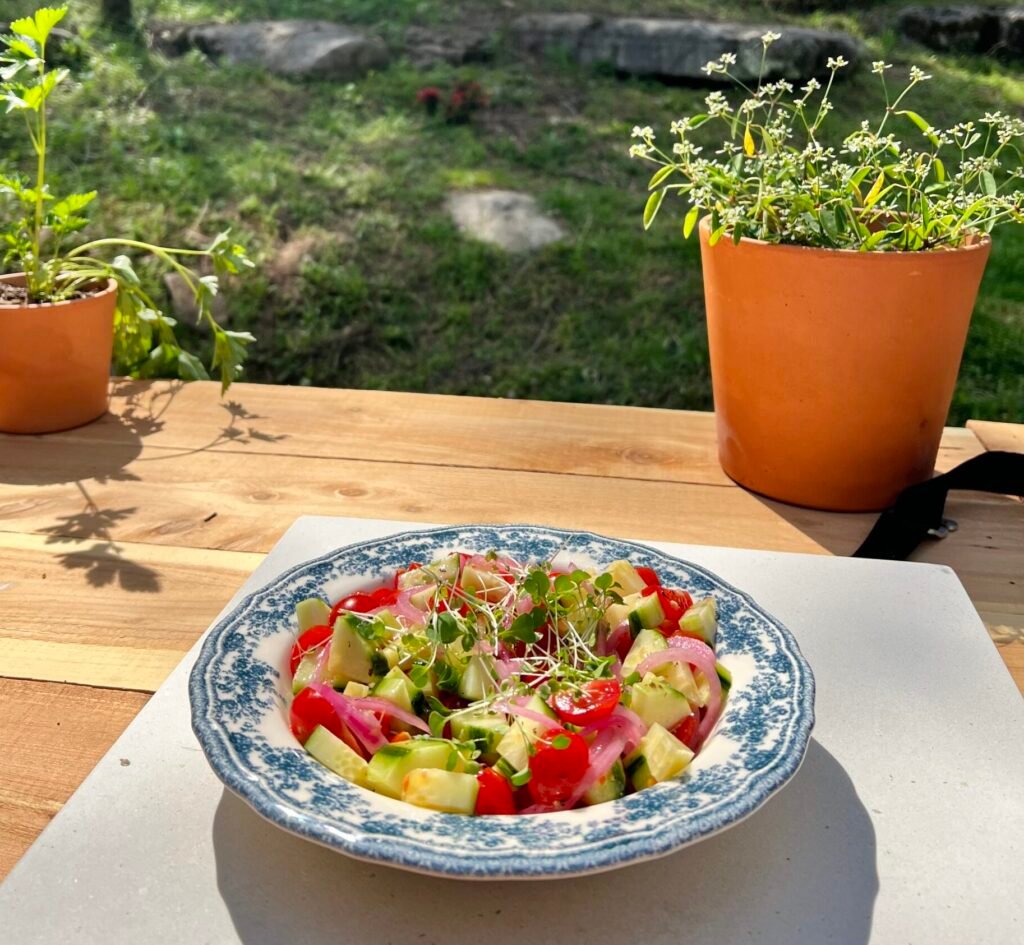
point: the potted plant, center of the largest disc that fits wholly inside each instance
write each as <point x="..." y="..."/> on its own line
<point x="65" y="311"/>
<point x="839" y="280"/>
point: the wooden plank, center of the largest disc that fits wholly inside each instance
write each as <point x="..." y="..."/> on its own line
<point x="51" y="737"/>
<point x="384" y="426"/>
<point x="999" y="436"/>
<point x="110" y="594"/>
<point x="207" y="500"/>
<point x="139" y="667"/>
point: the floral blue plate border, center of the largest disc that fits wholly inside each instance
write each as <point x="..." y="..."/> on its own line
<point x="239" y="697"/>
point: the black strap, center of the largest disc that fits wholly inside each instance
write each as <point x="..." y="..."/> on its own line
<point x="917" y="513"/>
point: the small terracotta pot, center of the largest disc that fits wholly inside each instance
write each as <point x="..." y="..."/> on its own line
<point x="833" y="370"/>
<point x="55" y="361"/>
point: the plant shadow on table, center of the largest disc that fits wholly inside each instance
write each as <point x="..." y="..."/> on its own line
<point x="801" y="870"/>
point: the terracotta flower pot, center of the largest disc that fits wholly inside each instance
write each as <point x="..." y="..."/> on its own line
<point x="833" y="370"/>
<point x="55" y="362"/>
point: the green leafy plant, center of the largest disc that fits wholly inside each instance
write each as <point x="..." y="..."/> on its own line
<point x="773" y="178"/>
<point x="39" y="224"/>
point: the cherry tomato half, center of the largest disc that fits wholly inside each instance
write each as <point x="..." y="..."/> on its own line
<point x="650" y="576"/>
<point x="557" y="765"/>
<point x="310" y="709"/>
<point x="597" y="700"/>
<point x="495" y="794"/>
<point x="359" y="602"/>
<point x="383" y="596"/>
<point x="306" y="641"/>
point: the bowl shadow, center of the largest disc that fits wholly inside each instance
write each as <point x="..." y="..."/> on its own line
<point x="802" y="870"/>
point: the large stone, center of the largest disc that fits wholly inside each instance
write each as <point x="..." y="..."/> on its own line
<point x="297" y="48"/>
<point x="455" y="45"/>
<point x="679" y="49"/>
<point x="503" y="218"/>
<point x="961" y="29"/>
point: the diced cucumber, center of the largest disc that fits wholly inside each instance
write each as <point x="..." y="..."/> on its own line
<point x="484" y="729"/>
<point x="396" y="687"/>
<point x="514" y="746"/>
<point x="657" y="703"/>
<point x="311" y="613"/>
<point x="352" y="658"/>
<point x="305" y="672"/>
<point x="479" y="678"/>
<point x="445" y="791"/>
<point x="679" y="676"/>
<point x="333" y="753"/>
<point x="608" y="788"/>
<point x="647" y="614"/>
<point x="659" y="757"/>
<point x="617" y="613"/>
<point x="701" y="619"/>
<point x="724" y="677"/>
<point x="388" y="619"/>
<point x="625" y="576"/>
<point x="486" y="585"/>
<point x="356" y="690"/>
<point x="646" y="643"/>
<point x="392" y="762"/>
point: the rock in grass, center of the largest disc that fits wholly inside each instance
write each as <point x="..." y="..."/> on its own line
<point x="296" y="48"/>
<point x="679" y="49"/>
<point x="961" y="29"/>
<point x="503" y="218"/>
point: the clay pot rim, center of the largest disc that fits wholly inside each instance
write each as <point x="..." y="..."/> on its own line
<point x="19" y="277"/>
<point x="978" y="245"/>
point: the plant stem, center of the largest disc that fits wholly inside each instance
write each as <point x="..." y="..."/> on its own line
<point x="35" y="286"/>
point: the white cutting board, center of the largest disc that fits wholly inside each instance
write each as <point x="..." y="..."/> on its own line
<point x="904" y="825"/>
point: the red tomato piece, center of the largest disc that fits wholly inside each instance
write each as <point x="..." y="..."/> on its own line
<point x="650" y="577"/>
<point x="383" y="596"/>
<point x="557" y="765"/>
<point x="495" y="795"/>
<point x="686" y="731"/>
<point x="597" y="701"/>
<point x="306" y="641"/>
<point x="359" y="602"/>
<point x="310" y="709"/>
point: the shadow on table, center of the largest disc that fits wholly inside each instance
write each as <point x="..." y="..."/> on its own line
<point x="802" y="870"/>
<point x="838" y="532"/>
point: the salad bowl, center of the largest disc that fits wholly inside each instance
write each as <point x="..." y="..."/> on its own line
<point x="240" y="692"/>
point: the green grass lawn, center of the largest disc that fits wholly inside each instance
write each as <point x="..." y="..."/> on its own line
<point x="394" y="298"/>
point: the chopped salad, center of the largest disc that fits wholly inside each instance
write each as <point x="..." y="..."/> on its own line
<point x="478" y="684"/>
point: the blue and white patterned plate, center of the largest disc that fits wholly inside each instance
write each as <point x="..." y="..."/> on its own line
<point x="240" y="694"/>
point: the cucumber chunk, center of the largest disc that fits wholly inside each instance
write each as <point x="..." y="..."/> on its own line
<point x="305" y="672"/>
<point x="617" y="613"/>
<point x="659" y="757"/>
<point x="484" y="729"/>
<point x="311" y="613"/>
<point x="398" y="688"/>
<point x="391" y="763"/>
<point x="625" y="576"/>
<point x="352" y="658"/>
<point x="657" y="703"/>
<point x="514" y="746"/>
<point x="445" y="791"/>
<point x="333" y="753"/>
<point x="608" y="788"/>
<point x="647" y="614"/>
<point x="356" y="690"/>
<point x="479" y="679"/>
<point x="679" y="676"/>
<point x="646" y="643"/>
<point x="701" y="619"/>
<point x="486" y="585"/>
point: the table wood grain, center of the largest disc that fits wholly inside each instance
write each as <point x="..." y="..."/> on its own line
<point x="120" y="541"/>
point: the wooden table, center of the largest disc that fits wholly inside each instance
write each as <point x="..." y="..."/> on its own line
<point x="120" y="541"/>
